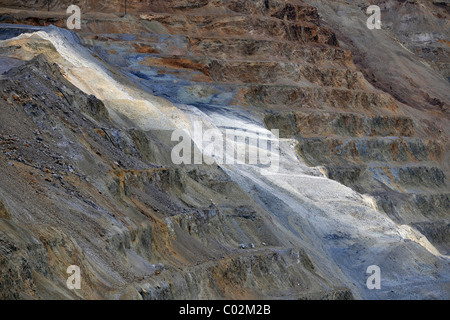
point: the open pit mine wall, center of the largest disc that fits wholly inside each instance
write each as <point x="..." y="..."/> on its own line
<point x="87" y="177"/>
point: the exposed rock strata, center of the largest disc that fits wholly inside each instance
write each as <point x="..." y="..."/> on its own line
<point x="87" y="177"/>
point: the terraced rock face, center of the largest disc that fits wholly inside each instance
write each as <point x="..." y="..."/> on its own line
<point x="422" y="28"/>
<point x="88" y="177"/>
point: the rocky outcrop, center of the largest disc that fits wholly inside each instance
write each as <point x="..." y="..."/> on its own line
<point x="143" y="227"/>
<point x="86" y="138"/>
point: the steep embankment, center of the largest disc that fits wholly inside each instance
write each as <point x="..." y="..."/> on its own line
<point x="88" y="180"/>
